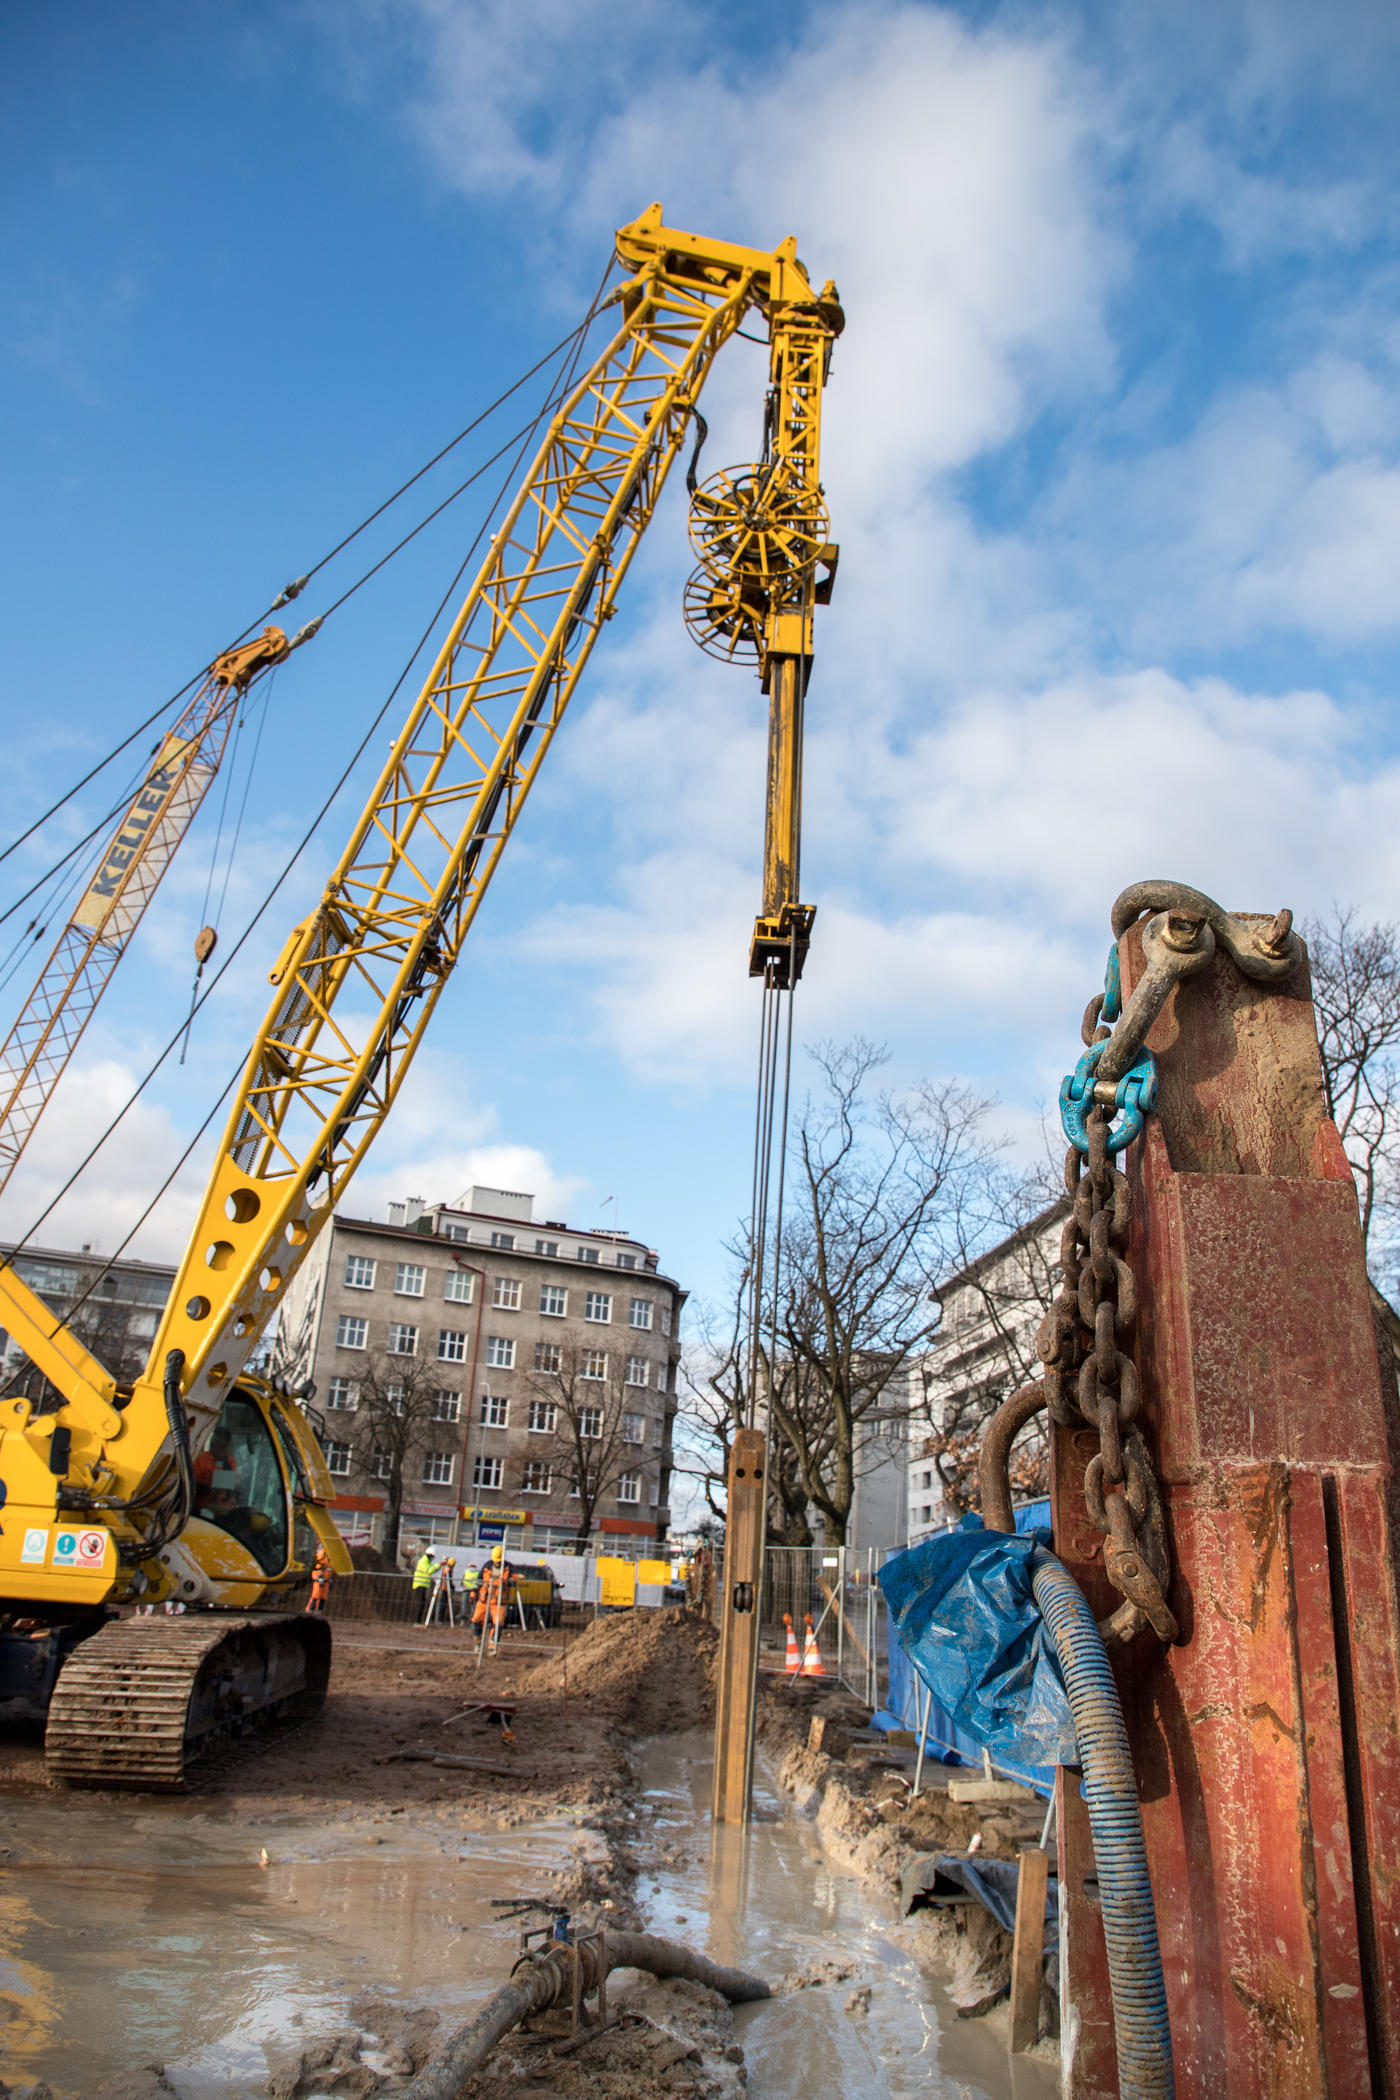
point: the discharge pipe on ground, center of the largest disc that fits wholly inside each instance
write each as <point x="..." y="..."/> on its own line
<point x="546" y="1979"/>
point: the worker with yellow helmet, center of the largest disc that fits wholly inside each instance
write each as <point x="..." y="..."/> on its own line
<point x="494" y="1593"/>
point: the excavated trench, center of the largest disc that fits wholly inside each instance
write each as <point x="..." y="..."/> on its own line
<point x="152" y="1932"/>
<point x="770" y="1901"/>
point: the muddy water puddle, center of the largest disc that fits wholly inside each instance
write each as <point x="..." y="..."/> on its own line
<point x="140" y="1932"/>
<point x="769" y="1900"/>
<point x="157" y="1934"/>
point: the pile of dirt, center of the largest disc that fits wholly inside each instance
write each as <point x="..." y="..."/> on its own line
<point x="648" y="1672"/>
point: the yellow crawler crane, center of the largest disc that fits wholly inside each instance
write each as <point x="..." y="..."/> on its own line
<point x="204" y="1483"/>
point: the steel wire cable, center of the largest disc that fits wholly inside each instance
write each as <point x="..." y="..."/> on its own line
<point x="98" y="828"/>
<point x="551" y="401"/>
<point x="158" y="714"/>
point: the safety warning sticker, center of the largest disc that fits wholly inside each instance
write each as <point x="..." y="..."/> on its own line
<point x="85" y="1550"/>
<point x="36" y="1545"/>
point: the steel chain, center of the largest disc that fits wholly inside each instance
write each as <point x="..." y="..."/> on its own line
<point x="1085" y="1339"/>
<point x="1090" y="1379"/>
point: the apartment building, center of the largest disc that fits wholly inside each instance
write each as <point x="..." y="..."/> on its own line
<point x="495" y="1364"/>
<point x="115" y="1307"/>
<point x="992" y="1310"/>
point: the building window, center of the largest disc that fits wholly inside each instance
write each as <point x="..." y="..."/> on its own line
<point x="542" y="1416"/>
<point x="593" y="1363"/>
<point x="438" y="1468"/>
<point x="459" y="1286"/>
<point x="359" y="1272"/>
<point x="505" y="1294"/>
<point x="585" y="1253"/>
<point x="349" y="1332"/>
<point x="658" y="1434"/>
<point x="547" y="1356"/>
<point x="629" y="1487"/>
<point x="454" y="1232"/>
<point x="639" y="1313"/>
<point x="537" y="1478"/>
<point x="337" y="1458"/>
<point x="403" y="1341"/>
<point x="504" y="1240"/>
<point x="665" y="1319"/>
<point x="487" y="1473"/>
<point x="381" y="1464"/>
<point x="638" y="1371"/>
<point x="547" y="1247"/>
<point x="495" y="1411"/>
<point x="553" y="1301"/>
<point x="627" y="1261"/>
<point x="393" y="1399"/>
<point x="500" y="1351"/>
<point x="452" y="1345"/>
<point x="634" y="1429"/>
<point x="447" y="1407"/>
<point x="597" y="1305"/>
<point x="342" y="1393"/>
<point x="409" y="1279"/>
<point x="590" y="1423"/>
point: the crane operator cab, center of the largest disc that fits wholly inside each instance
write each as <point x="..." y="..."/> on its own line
<point x="239" y="1486"/>
<point x="249" y="1521"/>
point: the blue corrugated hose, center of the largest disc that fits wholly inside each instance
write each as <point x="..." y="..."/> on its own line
<point x="1129" y="1921"/>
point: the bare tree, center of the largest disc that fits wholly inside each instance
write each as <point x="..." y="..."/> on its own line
<point x="1356" y="991"/>
<point x="588" y="1424"/>
<point x="402" y="1416"/>
<point x="881" y="1184"/>
<point x="717" y="1377"/>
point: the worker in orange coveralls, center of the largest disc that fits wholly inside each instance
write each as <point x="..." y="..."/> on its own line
<point x="320" y="1580"/>
<point x="493" y="1595"/>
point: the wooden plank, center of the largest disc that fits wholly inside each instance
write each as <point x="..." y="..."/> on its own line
<point x="1028" y="1948"/>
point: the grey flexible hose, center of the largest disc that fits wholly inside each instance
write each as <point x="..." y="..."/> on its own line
<point x="1129" y="1920"/>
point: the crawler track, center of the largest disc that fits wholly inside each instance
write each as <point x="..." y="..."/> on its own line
<point x="145" y="1700"/>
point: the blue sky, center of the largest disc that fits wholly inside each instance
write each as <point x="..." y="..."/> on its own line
<point x="1112" y="452"/>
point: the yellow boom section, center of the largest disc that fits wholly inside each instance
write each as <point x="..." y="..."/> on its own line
<point x="359" y="979"/>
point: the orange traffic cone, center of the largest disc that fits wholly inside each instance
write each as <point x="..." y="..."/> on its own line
<point x="811" y="1653"/>
<point x="793" y="1665"/>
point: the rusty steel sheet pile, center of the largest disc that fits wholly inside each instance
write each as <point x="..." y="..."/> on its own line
<point x="1263" y="1703"/>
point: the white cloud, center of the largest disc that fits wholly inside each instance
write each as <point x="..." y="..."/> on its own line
<point x="1278" y="513"/>
<point x="113" y="1192"/>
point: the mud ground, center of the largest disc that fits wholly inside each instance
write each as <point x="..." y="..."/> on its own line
<point x="397" y="1689"/>
<point x="583" y="1698"/>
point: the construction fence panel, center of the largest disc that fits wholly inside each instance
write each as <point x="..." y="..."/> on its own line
<point x="834" y="1590"/>
<point x="381" y="1598"/>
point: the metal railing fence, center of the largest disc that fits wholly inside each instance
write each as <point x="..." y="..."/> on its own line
<point x="835" y="1587"/>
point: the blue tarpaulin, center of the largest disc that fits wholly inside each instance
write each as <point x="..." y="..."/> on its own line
<point x="961" y="1610"/>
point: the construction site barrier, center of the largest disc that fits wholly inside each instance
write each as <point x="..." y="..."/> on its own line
<point x="836" y="1588"/>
